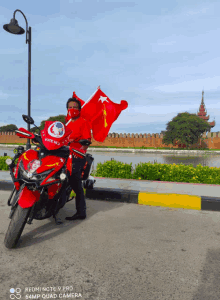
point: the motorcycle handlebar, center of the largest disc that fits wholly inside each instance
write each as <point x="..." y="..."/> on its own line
<point x="79" y="152"/>
<point x="24" y="133"/>
<point x="38" y="139"/>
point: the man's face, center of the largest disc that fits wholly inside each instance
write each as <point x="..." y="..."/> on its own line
<point x="73" y="104"/>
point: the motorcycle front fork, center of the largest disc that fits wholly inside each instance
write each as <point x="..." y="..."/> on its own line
<point x="32" y="213"/>
<point x="12" y="193"/>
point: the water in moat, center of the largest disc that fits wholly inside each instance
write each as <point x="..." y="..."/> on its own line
<point x="211" y="160"/>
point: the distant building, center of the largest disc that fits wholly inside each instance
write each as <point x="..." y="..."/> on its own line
<point x="202" y="113"/>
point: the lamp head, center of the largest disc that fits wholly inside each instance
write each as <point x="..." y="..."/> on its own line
<point x="13" y="27"/>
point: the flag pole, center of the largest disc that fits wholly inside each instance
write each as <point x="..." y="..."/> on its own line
<point x="98" y="88"/>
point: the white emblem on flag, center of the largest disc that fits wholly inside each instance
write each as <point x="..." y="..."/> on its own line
<point x="56" y="129"/>
<point x="103" y="99"/>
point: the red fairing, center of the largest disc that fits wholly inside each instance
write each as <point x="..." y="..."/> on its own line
<point x="50" y="163"/>
<point x="17" y="184"/>
<point x="27" y="198"/>
<point x="54" y="134"/>
<point x="28" y="156"/>
<point x="53" y="189"/>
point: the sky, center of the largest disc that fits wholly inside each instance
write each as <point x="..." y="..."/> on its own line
<point x="157" y="55"/>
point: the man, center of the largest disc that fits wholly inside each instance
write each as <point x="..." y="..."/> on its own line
<point x="80" y="130"/>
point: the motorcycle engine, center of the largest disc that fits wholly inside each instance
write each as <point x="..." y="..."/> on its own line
<point x="43" y="207"/>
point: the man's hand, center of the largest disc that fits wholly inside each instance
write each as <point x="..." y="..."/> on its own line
<point x="76" y="155"/>
<point x="84" y="147"/>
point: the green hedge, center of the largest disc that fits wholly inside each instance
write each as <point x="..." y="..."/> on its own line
<point x="159" y="172"/>
<point x="3" y="165"/>
<point x="149" y="171"/>
<point x="113" y="169"/>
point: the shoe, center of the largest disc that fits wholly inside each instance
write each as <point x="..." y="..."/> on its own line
<point x="75" y="217"/>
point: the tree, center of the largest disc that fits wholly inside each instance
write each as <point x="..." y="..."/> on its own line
<point x="13" y="127"/>
<point x="10" y="127"/>
<point x="185" y="129"/>
<point x="60" y="118"/>
<point x="34" y="129"/>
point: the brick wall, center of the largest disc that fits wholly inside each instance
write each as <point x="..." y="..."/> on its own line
<point x="212" y="140"/>
<point x="153" y="140"/>
<point x="11" y="137"/>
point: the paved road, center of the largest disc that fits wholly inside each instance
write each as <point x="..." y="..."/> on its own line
<point x="121" y="251"/>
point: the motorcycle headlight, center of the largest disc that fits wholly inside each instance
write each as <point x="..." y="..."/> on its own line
<point x="32" y="175"/>
<point x="33" y="165"/>
<point x="62" y="176"/>
<point x="8" y="161"/>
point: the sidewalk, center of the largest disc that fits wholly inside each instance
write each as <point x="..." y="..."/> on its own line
<point x="146" y="192"/>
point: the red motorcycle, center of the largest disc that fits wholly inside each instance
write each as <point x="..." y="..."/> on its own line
<point x="41" y="176"/>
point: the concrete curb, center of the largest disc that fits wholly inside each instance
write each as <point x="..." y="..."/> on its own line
<point x="155" y="199"/>
<point x="144" y="198"/>
<point x="6" y="185"/>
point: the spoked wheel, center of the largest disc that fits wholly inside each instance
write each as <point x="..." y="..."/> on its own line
<point x="16" y="226"/>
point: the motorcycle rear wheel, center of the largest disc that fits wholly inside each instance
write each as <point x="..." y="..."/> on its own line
<point x="16" y="226"/>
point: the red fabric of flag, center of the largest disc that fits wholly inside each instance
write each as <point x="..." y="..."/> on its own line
<point x="80" y="100"/>
<point x="101" y="112"/>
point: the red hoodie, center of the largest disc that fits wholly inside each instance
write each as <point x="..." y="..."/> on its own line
<point x="80" y="130"/>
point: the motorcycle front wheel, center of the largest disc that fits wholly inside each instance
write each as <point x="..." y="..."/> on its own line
<point x="16" y="226"/>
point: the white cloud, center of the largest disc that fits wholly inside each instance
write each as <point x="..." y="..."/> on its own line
<point x="3" y="95"/>
<point x="196" y="12"/>
<point x="210" y="83"/>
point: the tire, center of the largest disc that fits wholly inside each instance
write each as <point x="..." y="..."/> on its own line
<point x="16" y="226"/>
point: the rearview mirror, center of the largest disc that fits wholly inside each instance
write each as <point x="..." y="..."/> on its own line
<point x="85" y="142"/>
<point x="28" y="119"/>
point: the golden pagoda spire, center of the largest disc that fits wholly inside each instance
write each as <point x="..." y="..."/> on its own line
<point x="202" y="102"/>
<point x="202" y="112"/>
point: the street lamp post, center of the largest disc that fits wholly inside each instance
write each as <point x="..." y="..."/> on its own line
<point x="14" y="28"/>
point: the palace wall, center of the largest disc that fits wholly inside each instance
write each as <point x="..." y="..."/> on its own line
<point x="211" y="139"/>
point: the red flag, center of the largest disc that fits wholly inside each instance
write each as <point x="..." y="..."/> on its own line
<point x="101" y="112"/>
<point x="80" y="100"/>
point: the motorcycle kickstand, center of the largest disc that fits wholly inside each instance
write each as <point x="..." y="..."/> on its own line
<point x="31" y="217"/>
<point x="57" y="220"/>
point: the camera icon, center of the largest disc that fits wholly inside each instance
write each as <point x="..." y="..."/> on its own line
<point x="15" y="293"/>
